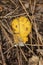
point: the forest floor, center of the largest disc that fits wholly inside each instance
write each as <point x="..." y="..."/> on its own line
<point x="32" y="52"/>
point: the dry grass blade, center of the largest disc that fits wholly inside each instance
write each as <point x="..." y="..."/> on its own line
<point x="3" y="59"/>
<point x="23" y="54"/>
<point x="11" y="12"/>
<point x="37" y="33"/>
<point x="24" y="8"/>
<point x="5" y="17"/>
<point x="13" y="3"/>
<point x="18" y="57"/>
<point x="30" y="49"/>
<point x="7" y="36"/>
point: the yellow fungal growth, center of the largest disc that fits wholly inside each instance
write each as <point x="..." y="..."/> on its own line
<point x="21" y="27"/>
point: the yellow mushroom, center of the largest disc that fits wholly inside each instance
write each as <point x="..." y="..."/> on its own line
<point x="21" y="27"/>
